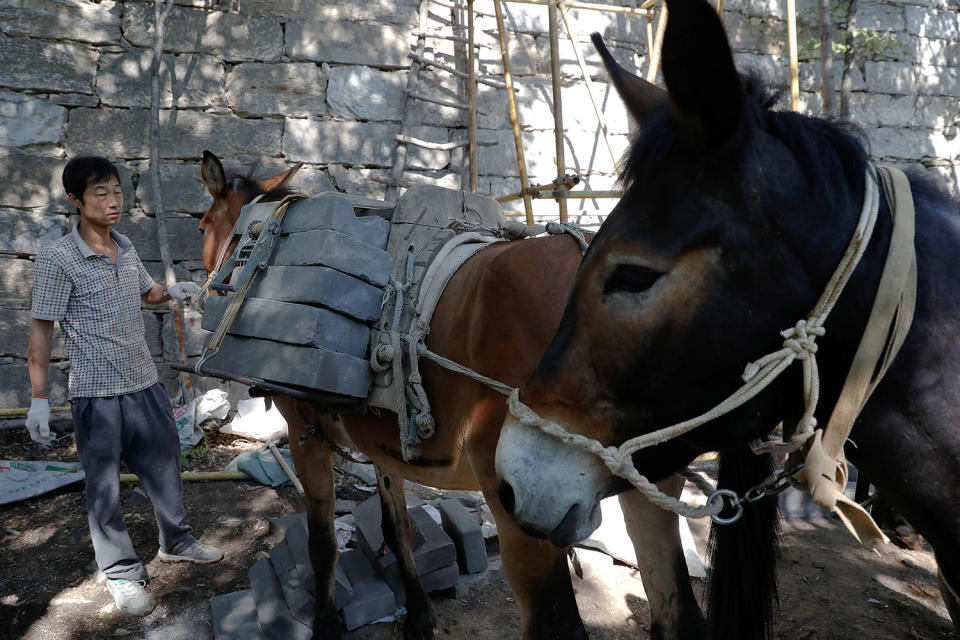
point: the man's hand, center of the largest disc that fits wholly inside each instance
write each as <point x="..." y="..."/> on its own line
<point x="38" y="421"/>
<point x="181" y="290"/>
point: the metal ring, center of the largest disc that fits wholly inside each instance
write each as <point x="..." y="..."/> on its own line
<point x="734" y="502"/>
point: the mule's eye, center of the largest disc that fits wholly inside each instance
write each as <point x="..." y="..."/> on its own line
<point x="631" y="278"/>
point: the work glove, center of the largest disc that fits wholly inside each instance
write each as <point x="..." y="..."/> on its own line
<point x="181" y="290"/>
<point x="38" y="421"/>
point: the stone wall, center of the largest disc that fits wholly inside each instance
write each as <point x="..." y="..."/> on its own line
<point x="275" y="82"/>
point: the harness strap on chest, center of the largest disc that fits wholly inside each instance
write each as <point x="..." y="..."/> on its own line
<point x="825" y="466"/>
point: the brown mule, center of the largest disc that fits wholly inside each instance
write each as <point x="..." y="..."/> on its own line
<point x="495" y="316"/>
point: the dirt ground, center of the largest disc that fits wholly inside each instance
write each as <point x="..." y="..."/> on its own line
<point x="829" y="587"/>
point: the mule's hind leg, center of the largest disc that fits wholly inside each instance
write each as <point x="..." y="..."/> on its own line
<point x="313" y="460"/>
<point x="674" y="611"/>
<point x="396" y="532"/>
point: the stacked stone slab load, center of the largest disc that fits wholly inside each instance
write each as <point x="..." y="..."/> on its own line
<point x="281" y="600"/>
<point x="305" y="320"/>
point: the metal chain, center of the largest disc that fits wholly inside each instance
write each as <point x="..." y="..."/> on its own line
<point x="771" y="485"/>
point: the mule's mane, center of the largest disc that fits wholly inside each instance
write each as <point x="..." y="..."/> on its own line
<point x="825" y="149"/>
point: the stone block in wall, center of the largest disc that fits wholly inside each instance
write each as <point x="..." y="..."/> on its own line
<point x="231" y="36"/>
<point x="325" y="141"/>
<point x="194" y="337"/>
<point x="932" y="51"/>
<point x="189" y="80"/>
<point x="614" y="27"/>
<point x="759" y="8"/>
<point x="62" y="20"/>
<point x="936" y="112"/>
<point x="45" y="65"/>
<point x="903" y="143"/>
<point x="15" y="334"/>
<point x="890" y="77"/>
<point x="932" y="23"/>
<point x="182" y="236"/>
<point x="186" y="136"/>
<point x="182" y="189"/>
<point x="755" y="34"/>
<point x="342" y="42"/>
<point x="500" y="159"/>
<point x="882" y="110"/>
<point x="358" y="181"/>
<point x="16" y="282"/>
<point x="26" y="232"/>
<point x="28" y="180"/>
<point x="398" y="12"/>
<point x="938" y="81"/>
<point x="358" y="92"/>
<point x="290" y="89"/>
<point x="810" y="74"/>
<point x="878" y="16"/>
<point x="15" y="391"/>
<point x="26" y="120"/>
<point x="528" y="55"/>
<point x="443" y="86"/>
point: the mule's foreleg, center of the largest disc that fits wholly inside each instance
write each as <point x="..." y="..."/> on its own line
<point x="421" y="618"/>
<point x="314" y="464"/>
<point x="539" y="577"/>
<point x="674" y="612"/>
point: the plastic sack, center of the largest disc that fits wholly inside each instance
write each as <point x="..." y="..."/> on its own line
<point x="20" y="480"/>
<point x="255" y="421"/>
<point x="189" y="417"/>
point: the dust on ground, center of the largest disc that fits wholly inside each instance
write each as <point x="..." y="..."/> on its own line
<point x="830" y="588"/>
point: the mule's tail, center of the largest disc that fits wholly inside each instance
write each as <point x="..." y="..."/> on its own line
<point x="743" y="583"/>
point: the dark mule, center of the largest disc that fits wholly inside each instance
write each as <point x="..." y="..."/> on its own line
<point x="495" y="316"/>
<point x="733" y="219"/>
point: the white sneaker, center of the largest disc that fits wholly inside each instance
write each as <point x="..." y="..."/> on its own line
<point x="130" y="596"/>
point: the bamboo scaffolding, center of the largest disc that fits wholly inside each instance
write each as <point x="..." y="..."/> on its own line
<point x="653" y="55"/>
<point x="554" y="30"/>
<point x="792" y="46"/>
<point x="439" y="146"/>
<point x="460" y="74"/>
<point x="514" y="117"/>
<point x="589" y="6"/>
<point x="588" y="83"/>
<point x="472" y="100"/>
<point x="547" y="193"/>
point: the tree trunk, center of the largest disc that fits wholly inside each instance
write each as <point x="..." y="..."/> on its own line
<point x="826" y="58"/>
<point x="846" y="82"/>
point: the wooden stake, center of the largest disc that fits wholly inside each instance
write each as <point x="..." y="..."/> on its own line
<point x="514" y="117"/>
<point x="557" y="101"/>
<point x="196" y="476"/>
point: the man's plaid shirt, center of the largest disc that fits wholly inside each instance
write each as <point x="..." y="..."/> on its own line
<point x="97" y="304"/>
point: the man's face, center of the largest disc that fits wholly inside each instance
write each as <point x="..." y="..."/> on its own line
<point x="102" y="202"/>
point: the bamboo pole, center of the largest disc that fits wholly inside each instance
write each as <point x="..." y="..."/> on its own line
<point x="654" y="55"/>
<point x="575" y="195"/>
<point x="196" y="476"/>
<point x="794" y="63"/>
<point x="472" y="100"/>
<point x="294" y="480"/>
<point x="554" y="32"/>
<point x="459" y="74"/>
<point x="588" y="83"/>
<point x="649" y="18"/>
<point x="514" y="117"/>
<point x="589" y="6"/>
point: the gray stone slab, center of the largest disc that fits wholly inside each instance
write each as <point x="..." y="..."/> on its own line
<point x="299" y="601"/>
<point x="322" y="211"/>
<point x="291" y="322"/>
<point x="469" y="499"/>
<point x="294" y="365"/>
<point x="437" y="550"/>
<point x="298" y="541"/>
<point x="339" y="251"/>
<point x="372" y="598"/>
<point x="344" y="591"/>
<point x="443" y="578"/>
<point x="25" y="120"/>
<point x="46" y="65"/>
<point x="235" y="616"/>
<point x="285" y="523"/>
<point x="276" y="620"/>
<point x="319" y="285"/>
<point x="464" y="529"/>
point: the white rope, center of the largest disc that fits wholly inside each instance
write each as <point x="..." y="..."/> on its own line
<point x="799" y="344"/>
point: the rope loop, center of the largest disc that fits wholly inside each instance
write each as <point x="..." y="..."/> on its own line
<point x="801" y="338"/>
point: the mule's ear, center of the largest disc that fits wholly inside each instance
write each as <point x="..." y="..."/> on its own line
<point x="281" y="179"/>
<point x="640" y="96"/>
<point x="213" y="176"/>
<point x="698" y="70"/>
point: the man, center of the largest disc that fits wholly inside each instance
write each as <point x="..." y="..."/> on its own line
<point x="92" y="282"/>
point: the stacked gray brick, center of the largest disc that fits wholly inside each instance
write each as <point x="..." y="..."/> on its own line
<point x="305" y="320"/>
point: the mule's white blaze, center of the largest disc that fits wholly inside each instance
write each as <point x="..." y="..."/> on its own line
<point x="548" y="479"/>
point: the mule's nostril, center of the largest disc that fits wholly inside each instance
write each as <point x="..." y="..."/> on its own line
<point x="507" y="499"/>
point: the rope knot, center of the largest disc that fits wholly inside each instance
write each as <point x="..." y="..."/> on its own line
<point x="801" y="339"/>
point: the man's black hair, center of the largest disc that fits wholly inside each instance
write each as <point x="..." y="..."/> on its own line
<point x="86" y="170"/>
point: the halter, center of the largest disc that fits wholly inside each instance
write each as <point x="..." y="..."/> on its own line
<point x="825" y="471"/>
